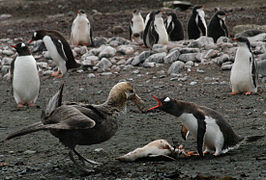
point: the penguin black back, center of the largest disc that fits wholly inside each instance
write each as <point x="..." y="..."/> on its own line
<point x="217" y="27"/>
<point x="174" y="27"/>
<point x="196" y="24"/>
<point x="147" y="27"/>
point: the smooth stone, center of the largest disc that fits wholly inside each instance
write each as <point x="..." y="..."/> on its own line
<point x="127" y="67"/>
<point x="222" y="59"/>
<point x="222" y="40"/>
<point x="104" y="64"/>
<point x="176" y="67"/>
<point x="42" y="64"/>
<point x="159" y="48"/>
<point x="172" y="57"/>
<point x="140" y="58"/>
<point x="8" y="52"/>
<point x="29" y="152"/>
<point x="98" y="41"/>
<point x="158" y="58"/>
<point x="261" y="67"/>
<point x="201" y="42"/>
<point x="107" y="52"/>
<point x="91" y="75"/>
<point x="189" y="50"/>
<point x="5" y="16"/>
<point x="193" y="83"/>
<point x="212" y="53"/>
<point x="188" y="57"/>
<point x="148" y="64"/>
<point x="226" y="66"/>
<point x="7" y="61"/>
<point x="106" y="73"/>
<point x="125" y="49"/>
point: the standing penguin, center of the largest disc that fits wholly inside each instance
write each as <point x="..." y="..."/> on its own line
<point x="217" y="27"/>
<point x="58" y="49"/>
<point x="81" y="30"/>
<point x="148" y="21"/>
<point x="206" y="125"/>
<point x="136" y="27"/>
<point x="244" y="76"/>
<point x="157" y="32"/>
<point x="174" y="27"/>
<point x="197" y="25"/>
<point x="25" y="77"/>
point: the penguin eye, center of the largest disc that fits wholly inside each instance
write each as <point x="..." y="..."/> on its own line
<point x="167" y="99"/>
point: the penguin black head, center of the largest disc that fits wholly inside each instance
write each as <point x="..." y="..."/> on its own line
<point x="136" y="11"/>
<point x="221" y="14"/>
<point x="37" y="35"/>
<point x="81" y="11"/>
<point x="22" y="49"/>
<point x="164" y="103"/>
<point x="171" y="14"/>
<point x="242" y="41"/>
<point x="195" y="9"/>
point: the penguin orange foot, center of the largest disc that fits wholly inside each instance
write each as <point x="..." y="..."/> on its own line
<point x="56" y="73"/>
<point x="248" y="93"/>
<point x="234" y="93"/>
<point x="20" y="105"/>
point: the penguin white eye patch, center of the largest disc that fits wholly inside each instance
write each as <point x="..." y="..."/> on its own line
<point x="167" y="99"/>
<point x="34" y="34"/>
<point x="23" y="45"/>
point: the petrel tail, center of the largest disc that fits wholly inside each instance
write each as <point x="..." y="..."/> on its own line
<point x="29" y="129"/>
<point x="253" y="138"/>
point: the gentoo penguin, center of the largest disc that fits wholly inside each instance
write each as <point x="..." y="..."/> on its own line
<point x="217" y="27"/>
<point x="148" y="21"/>
<point x="76" y="123"/>
<point x="210" y="129"/>
<point x="25" y="77"/>
<point x="157" y="32"/>
<point x="136" y="27"/>
<point x="81" y="30"/>
<point x="58" y="49"/>
<point x="174" y="27"/>
<point x="244" y="76"/>
<point x="197" y="25"/>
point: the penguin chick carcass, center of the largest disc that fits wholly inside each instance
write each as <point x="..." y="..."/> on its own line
<point x="84" y="124"/>
<point x="24" y="76"/>
<point x="207" y="126"/>
<point x="81" y="30"/>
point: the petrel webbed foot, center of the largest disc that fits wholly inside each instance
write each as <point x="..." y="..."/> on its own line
<point x="81" y="167"/>
<point x="83" y="160"/>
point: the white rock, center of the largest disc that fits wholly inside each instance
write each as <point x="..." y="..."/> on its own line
<point x="7" y="76"/>
<point x="212" y="53"/>
<point x="158" y="58"/>
<point x="7" y="60"/>
<point x="148" y="64"/>
<point x="5" y="16"/>
<point x="107" y="52"/>
<point x="176" y="67"/>
<point x="227" y="66"/>
<point x="172" y="57"/>
<point x="193" y="83"/>
<point x="125" y="49"/>
<point x="29" y="152"/>
<point x="188" y="57"/>
<point x="121" y="62"/>
<point x="8" y="52"/>
<point x="189" y="50"/>
<point x="46" y="54"/>
<point x="91" y="75"/>
<point x="47" y="73"/>
<point x="222" y="59"/>
<point x="42" y="64"/>
<point x="261" y="67"/>
<point x="190" y="63"/>
<point x="106" y="73"/>
<point x="140" y="58"/>
<point x="127" y="67"/>
<point x="222" y="40"/>
<point x="201" y="42"/>
<point x="159" y="48"/>
<point x="104" y="64"/>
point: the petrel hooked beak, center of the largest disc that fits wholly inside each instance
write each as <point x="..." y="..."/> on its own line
<point x="159" y="103"/>
<point x="31" y="41"/>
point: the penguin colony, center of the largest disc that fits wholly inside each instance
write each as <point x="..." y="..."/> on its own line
<point x="76" y="123"/>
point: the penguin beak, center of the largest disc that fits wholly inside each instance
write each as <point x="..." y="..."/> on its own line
<point x="31" y="41"/>
<point x="14" y="46"/>
<point x="159" y="103"/>
<point x="203" y="7"/>
<point x="234" y="39"/>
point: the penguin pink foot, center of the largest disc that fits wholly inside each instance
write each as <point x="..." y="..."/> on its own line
<point x="56" y="73"/>
<point x="234" y="93"/>
<point x="248" y="93"/>
<point x="31" y="104"/>
<point x="20" y="105"/>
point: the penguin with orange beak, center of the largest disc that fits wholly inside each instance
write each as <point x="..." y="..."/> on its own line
<point x="208" y="127"/>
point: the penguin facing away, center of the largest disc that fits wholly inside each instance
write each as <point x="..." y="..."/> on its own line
<point x="217" y="26"/>
<point x="81" y="30"/>
<point x="244" y="75"/>
<point x="24" y="76"/>
<point x="136" y="27"/>
<point x="157" y="32"/>
<point x="174" y="27"/>
<point x="58" y="49"/>
<point x="210" y="129"/>
<point x="197" y="25"/>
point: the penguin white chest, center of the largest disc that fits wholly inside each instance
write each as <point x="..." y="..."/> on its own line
<point x="241" y="72"/>
<point x="213" y="138"/>
<point x="26" y="81"/>
<point x="160" y="29"/>
<point x="138" y="24"/>
<point x="53" y="52"/>
<point x="81" y="30"/>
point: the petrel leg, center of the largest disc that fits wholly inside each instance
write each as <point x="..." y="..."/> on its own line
<point x="81" y="158"/>
<point x="78" y="165"/>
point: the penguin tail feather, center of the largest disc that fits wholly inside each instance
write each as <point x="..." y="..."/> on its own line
<point x="253" y="138"/>
<point x="29" y="129"/>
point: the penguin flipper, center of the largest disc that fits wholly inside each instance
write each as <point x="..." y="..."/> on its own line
<point x="201" y="130"/>
<point x="254" y="71"/>
<point x="130" y="30"/>
<point x="59" y="47"/>
<point x="92" y="43"/>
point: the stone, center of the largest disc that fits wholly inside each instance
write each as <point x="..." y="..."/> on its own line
<point x="8" y="52"/>
<point x="7" y="77"/>
<point x="29" y="152"/>
<point x="129" y="61"/>
<point x="125" y="49"/>
<point x="188" y="57"/>
<point x="158" y="58"/>
<point x="176" y="67"/>
<point x="212" y="53"/>
<point x="7" y="60"/>
<point x="193" y="83"/>
<point x="107" y="52"/>
<point x="91" y="60"/>
<point x="189" y="50"/>
<point x="222" y="59"/>
<point x="121" y="62"/>
<point x="190" y="63"/>
<point x="140" y="58"/>
<point x="98" y="41"/>
<point x="148" y="64"/>
<point x="240" y="28"/>
<point x="201" y="42"/>
<point x="223" y="39"/>
<point x="103" y="65"/>
<point x="120" y="40"/>
<point x="127" y="67"/>
<point x="227" y="66"/>
<point x="47" y="73"/>
<point x="106" y="73"/>
<point x="117" y="29"/>
<point x="171" y="57"/>
<point x="42" y="65"/>
<point x="91" y="75"/>
<point x="5" y="16"/>
<point x="261" y="67"/>
<point x="159" y="48"/>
